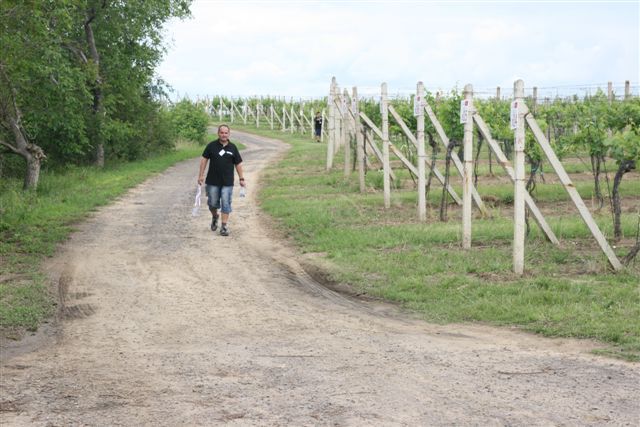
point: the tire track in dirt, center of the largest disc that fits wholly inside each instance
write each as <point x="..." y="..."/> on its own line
<point x="186" y="327"/>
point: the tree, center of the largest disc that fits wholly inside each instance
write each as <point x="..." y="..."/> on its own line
<point x="624" y="147"/>
<point x="33" y="74"/>
<point x="190" y="121"/>
<point x="119" y="44"/>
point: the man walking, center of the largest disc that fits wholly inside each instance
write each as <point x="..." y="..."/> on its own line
<point x="317" y="126"/>
<point x="223" y="155"/>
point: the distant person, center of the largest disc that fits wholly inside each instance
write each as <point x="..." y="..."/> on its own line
<point x="224" y="155"/>
<point x="317" y="125"/>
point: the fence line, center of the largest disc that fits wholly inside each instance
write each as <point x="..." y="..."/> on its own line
<point x="345" y="127"/>
<point x="521" y="117"/>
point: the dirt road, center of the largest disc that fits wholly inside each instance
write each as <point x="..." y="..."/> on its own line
<point x="166" y="323"/>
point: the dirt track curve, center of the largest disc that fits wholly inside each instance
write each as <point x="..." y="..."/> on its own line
<point x="166" y="323"/>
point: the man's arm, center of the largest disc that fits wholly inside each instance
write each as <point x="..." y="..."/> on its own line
<point x="203" y="166"/>
<point x="240" y="173"/>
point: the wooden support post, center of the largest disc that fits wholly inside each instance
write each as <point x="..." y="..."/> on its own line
<point x="357" y="128"/>
<point x="271" y="114"/>
<point x="498" y="93"/>
<point x="627" y="90"/>
<point x="332" y="123"/>
<point x="291" y="117"/>
<point x="398" y="118"/>
<point x="466" y="115"/>
<point x="338" y="119"/>
<point x="573" y="193"/>
<point x="245" y="113"/>
<point x="284" y="118"/>
<point x="386" y="167"/>
<point x="422" y="179"/>
<point x="368" y="139"/>
<point x="534" y="102"/>
<point x="323" y="127"/>
<point x="309" y="120"/>
<point x="258" y="108"/>
<point x="456" y="161"/>
<point x="610" y="92"/>
<point x="517" y="115"/>
<point x="346" y="121"/>
<point x="339" y="122"/>
<point x="370" y="142"/>
<point x="231" y="110"/>
<point x="506" y="165"/>
<point x="221" y="108"/>
<point x="393" y="148"/>
<point x="301" y="120"/>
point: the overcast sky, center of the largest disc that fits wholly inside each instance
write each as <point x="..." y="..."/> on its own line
<point x="293" y="48"/>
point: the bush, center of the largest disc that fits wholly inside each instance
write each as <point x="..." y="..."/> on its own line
<point x="189" y="121"/>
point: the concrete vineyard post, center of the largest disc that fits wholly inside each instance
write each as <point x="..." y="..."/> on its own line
<point x="422" y="179"/>
<point x="517" y="114"/>
<point x="386" y="167"/>
<point x="291" y="116"/>
<point x="359" y="140"/>
<point x="331" y="133"/>
<point x="346" y="121"/>
<point x="466" y="116"/>
<point x="231" y="110"/>
<point x="271" y="113"/>
<point x="627" y="90"/>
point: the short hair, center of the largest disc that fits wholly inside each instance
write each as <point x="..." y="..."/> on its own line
<point x="224" y="126"/>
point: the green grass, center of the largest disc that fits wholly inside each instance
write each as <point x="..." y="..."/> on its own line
<point x="33" y="223"/>
<point x="566" y="291"/>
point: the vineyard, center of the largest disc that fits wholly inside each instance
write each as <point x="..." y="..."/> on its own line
<point x="590" y="146"/>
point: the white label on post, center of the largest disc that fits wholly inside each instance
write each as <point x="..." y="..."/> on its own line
<point x="464" y="109"/>
<point x="514" y="115"/>
<point x="418" y="104"/>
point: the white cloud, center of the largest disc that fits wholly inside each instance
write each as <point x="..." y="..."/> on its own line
<point x="293" y="48"/>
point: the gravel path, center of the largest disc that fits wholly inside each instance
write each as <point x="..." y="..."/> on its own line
<point x="166" y="323"/>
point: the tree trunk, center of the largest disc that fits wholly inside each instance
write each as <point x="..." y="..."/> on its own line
<point x="477" y="159"/>
<point x="624" y="167"/>
<point x="100" y="155"/>
<point x="434" y="151"/>
<point x="595" y="168"/>
<point x="32" y="153"/>
<point x="11" y="118"/>
<point x="490" y="163"/>
<point x="98" y="107"/>
<point x="445" y="196"/>
<point x="32" y="174"/>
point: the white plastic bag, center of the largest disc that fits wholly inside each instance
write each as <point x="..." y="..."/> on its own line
<point x="196" y="204"/>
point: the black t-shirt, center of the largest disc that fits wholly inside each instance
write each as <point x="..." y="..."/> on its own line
<point x="222" y="160"/>
<point x="318" y="122"/>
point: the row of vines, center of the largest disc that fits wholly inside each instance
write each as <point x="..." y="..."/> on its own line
<point x="604" y="132"/>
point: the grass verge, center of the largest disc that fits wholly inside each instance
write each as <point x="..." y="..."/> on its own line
<point x="33" y="223"/>
<point x="566" y="291"/>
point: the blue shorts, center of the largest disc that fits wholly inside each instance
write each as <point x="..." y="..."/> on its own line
<point x="219" y="196"/>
